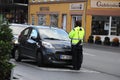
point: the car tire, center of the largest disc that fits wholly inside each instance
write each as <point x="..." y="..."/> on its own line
<point x="17" y="56"/>
<point x="39" y="59"/>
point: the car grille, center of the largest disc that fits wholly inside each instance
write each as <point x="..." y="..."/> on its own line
<point x="58" y="54"/>
<point x="64" y="53"/>
<point x="62" y="46"/>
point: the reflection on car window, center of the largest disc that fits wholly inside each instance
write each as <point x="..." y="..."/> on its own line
<point x="53" y="34"/>
<point x="26" y="32"/>
<point x="33" y="33"/>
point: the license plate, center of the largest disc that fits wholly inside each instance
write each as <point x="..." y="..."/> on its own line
<point x="65" y="57"/>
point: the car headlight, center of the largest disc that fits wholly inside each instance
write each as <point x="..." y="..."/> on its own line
<point x="15" y="41"/>
<point x="47" y="45"/>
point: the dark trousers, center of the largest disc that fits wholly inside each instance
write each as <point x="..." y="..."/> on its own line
<point x="77" y="56"/>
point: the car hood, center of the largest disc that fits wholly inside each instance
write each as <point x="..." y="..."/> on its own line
<point x="15" y="37"/>
<point x="60" y="44"/>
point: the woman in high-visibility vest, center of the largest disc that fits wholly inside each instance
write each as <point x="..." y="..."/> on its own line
<point x="76" y="35"/>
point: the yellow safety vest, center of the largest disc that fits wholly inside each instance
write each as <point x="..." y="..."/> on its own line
<point x="77" y="34"/>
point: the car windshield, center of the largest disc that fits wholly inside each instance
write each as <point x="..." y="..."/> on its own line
<point x="53" y="34"/>
<point x="16" y="30"/>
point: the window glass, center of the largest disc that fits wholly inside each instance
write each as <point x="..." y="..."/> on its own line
<point x="45" y="0"/>
<point x="100" y="25"/>
<point x="54" y="20"/>
<point x="33" y="0"/>
<point x="33" y="33"/>
<point x="115" y="26"/>
<point x="41" y="20"/>
<point x="74" y="19"/>
<point x="104" y="25"/>
<point x="26" y="32"/>
<point x="64" y="21"/>
<point x="53" y="34"/>
<point x="33" y="20"/>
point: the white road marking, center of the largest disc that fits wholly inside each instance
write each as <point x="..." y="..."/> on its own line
<point x="88" y="54"/>
<point x="60" y="69"/>
<point x="69" y="70"/>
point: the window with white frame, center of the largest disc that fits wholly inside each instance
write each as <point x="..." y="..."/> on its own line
<point x="45" y="0"/>
<point x="54" y="20"/>
<point x="41" y="19"/>
<point x="64" y="21"/>
<point x="33" y="20"/>
<point x="105" y="25"/>
<point x="39" y="0"/>
<point x="76" y="18"/>
<point x="100" y="25"/>
<point x="33" y="0"/>
<point x="115" y="26"/>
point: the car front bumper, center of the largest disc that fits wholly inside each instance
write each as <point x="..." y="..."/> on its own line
<point x="58" y="57"/>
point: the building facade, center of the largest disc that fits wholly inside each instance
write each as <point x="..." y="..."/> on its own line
<point x="103" y="18"/>
<point x="99" y="17"/>
<point x="60" y="13"/>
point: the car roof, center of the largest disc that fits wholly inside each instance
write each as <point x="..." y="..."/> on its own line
<point x="18" y="25"/>
<point x="44" y="27"/>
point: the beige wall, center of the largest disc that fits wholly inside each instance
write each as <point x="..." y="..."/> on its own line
<point x="60" y="8"/>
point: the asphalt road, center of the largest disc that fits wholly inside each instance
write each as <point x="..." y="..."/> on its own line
<point x="104" y="59"/>
<point x="100" y="63"/>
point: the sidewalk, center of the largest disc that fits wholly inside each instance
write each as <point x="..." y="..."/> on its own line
<point x="19" y="77"/>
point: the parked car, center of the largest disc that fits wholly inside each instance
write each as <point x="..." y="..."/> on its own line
<point x="16" y="30"/>
<point x="44" y="44"/>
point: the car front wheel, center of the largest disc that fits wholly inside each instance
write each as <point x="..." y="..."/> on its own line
<point x="39" y="59"/>
<point x="17" y="55"/>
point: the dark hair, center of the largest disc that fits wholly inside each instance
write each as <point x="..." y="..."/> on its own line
<point x="78" y="23"/>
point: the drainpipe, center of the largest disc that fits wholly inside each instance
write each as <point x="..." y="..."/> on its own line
<point x="85" y="9"/>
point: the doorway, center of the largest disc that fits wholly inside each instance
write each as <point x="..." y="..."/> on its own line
<point x="76" y="18"/>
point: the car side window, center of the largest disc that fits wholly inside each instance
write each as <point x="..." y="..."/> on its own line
<point x="24" y="35"/>
<point x="33" y="33"/>
<point x="26" y="32"/>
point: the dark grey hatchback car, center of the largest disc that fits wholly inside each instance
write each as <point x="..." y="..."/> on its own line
<point x="44" y="44"/>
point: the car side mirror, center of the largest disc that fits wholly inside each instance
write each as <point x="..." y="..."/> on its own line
<point x="34" y="38"/>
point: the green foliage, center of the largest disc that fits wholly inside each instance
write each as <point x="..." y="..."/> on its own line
<point x="98" y="40"/>
<point x="5" y="33"/>
<point x="115" y="42"/>
<point x="106" y="41"/>
<point x="5" y="51"/>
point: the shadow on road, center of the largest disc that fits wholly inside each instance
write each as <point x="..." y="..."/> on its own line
<point x="32" y="62"/>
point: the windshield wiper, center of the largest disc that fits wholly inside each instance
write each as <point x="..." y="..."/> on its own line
<point x="52" y="38"/>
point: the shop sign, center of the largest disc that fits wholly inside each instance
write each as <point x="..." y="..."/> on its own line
<point x="44" y="8"/>
<point x="105" y="3"/>
<point x="76" y="6"/>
